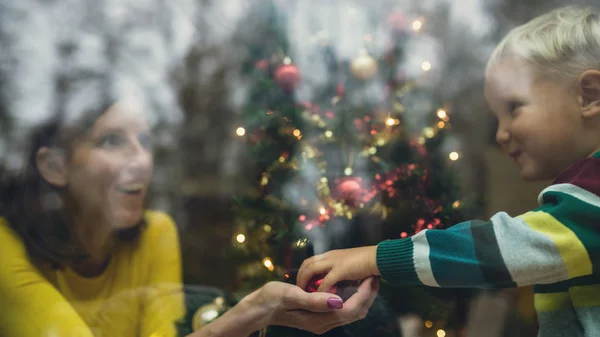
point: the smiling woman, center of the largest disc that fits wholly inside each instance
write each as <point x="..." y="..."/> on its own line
<point x="77" y="236"/>
<point x="83" y="257"/>
<point x="81" y="253"/>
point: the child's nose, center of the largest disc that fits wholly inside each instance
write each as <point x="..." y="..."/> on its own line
<point x="502" y="135"/>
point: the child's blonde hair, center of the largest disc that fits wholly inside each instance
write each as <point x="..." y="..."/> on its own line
<point x="565" y="41"/>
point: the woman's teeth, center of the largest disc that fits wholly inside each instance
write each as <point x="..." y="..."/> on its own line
<point x="131" y="188"/>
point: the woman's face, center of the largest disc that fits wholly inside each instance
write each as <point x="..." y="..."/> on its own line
<point x="109" y="171"/>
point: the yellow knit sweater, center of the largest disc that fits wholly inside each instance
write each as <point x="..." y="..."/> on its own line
<point x="139" y="293"/>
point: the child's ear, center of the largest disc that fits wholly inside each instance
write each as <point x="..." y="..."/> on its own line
<point x="51" y="164"/>
<point x="589" y="91"/>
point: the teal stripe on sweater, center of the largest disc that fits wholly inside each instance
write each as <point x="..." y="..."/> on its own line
<point x="488" y="253"/>
<point x="453" y="259"/>
<point x="395" y="262"/>
<point x="565" y="285"/>
<point x="578" y="210"/>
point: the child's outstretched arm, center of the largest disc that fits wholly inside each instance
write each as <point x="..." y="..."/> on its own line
<point x="559" y="240"/>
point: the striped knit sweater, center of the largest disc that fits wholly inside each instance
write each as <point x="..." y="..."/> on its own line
<point x="555" y="247"/>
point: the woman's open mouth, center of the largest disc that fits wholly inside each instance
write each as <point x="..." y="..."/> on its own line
<point x="131" y="189"/>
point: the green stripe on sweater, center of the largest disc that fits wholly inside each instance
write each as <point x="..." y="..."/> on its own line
<point x="395" y="262"/>
<point x="581" y="218"/>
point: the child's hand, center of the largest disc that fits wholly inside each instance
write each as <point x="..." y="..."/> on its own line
<point x="339" y="265"/>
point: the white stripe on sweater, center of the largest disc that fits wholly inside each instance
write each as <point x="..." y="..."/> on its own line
<point x="573" y="190"/>
<point x="421" y="258"/>
<point x="531" y="257"/>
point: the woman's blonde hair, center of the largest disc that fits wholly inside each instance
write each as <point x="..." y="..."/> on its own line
<point x="564" y="41"/>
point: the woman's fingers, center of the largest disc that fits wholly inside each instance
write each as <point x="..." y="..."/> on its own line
<point x="295" y="298"/>
<point x="354" y="309"/>
<point x="360" y="302"/>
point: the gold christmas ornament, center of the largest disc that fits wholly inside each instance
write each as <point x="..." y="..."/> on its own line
<point x="364" y="66"/>
<point x="208" y="312"/>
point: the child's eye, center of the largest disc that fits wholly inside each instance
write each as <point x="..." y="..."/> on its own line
<point x="514" y="106"/>
<point x="112" y="140"/>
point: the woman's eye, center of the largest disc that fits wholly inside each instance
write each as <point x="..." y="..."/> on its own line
<point x="146" y="141"/>
<point x="112" y="140"/>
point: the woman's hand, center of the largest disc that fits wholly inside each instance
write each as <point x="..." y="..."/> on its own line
<point x="287" y="305"/>
<point x="339" y="265"/>
<point x="283" y="304"/>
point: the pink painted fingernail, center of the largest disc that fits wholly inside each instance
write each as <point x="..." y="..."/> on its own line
<point x="335" y="303"/>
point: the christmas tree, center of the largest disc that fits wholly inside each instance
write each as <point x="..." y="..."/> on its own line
<point x="364" y="158"/>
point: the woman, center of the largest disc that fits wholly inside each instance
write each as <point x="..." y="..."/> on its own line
<point x="81" y="255"/>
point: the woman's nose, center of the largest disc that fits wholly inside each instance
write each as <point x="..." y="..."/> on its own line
<point x="140" y="156"/>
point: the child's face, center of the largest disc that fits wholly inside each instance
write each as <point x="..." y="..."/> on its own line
<point x="540" y="121"/>
<point x="110" y="170"/>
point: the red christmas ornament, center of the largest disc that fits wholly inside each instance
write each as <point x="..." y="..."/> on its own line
<point x="340" y="90"/>
<point x="262" y="64"/>
<point x="315" y="282"/>
<point x="349" y="190"/>
<point x="288" y="77"/>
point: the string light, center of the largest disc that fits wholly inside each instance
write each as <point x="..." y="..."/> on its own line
<point x="372" y="150"/>
<point x="428" y="324"/>
<point x="268" y="263"/>
<point x="417" y="24"/>
<point x="456" y="204"/>
<point x="442" y="113"/>
<point x="441" y="125"/>
<point x="322" y="210"/>
<point x="441" y="333"/>
<point x="301" y="243"/>
<point x="287" y="60"/>
<point x="328" y="134"/>
<point x="428" y="132"/>
<point x="348" y="171"/>
<point x="240" y="131"/>
<point x="297" y="133"/>
<point x="241" y="238"/>
<point x="426" y="66"/>
<point x="453" y="156"/>
<point x="390" y="121"/>
<point x="267" y="228"/>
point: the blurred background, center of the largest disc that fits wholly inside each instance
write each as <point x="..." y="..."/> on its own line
<point x="288" y="128"/>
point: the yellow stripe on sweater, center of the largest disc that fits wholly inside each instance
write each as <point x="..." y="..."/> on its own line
<point x="552" y="302"/>
<point x="574" y="254"/>
<point x="585" y="296"/>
